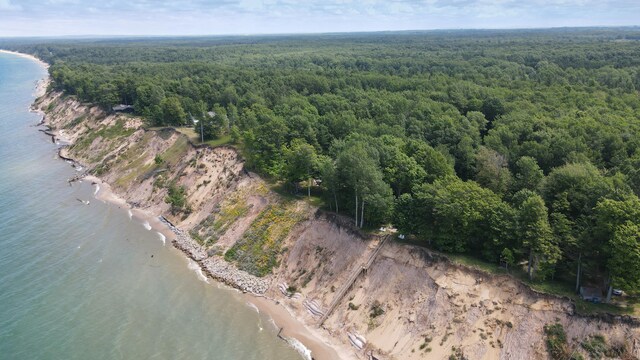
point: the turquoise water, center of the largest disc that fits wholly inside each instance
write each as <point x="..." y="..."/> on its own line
<point x="80" y="282"/>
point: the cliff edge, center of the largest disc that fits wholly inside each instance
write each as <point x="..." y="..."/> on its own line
<point x="369" y="294"/>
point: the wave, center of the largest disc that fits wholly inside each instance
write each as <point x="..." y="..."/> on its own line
<point x="300" y="348"/>
<point x="196" y="268"/>
<point x="251" y="305"/>
<point x="163" y="238"/>
<point x="146" y="225"/>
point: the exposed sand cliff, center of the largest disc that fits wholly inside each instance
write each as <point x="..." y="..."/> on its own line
<point x="404" y="302"/>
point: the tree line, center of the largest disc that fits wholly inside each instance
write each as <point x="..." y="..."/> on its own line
<point x="507" y="145"/>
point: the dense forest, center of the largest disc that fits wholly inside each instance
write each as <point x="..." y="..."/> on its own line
<point x="519" y="147"/>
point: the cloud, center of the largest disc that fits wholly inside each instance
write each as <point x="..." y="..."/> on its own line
<point x="183" y="17"/>
<point x="6" y="5"/>
<point x="315" y="7"/>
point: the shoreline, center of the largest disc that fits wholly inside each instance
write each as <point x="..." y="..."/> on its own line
<point x="446" y="293"/>
<point x="292" y="329"/>
<point x="26" y="56"/>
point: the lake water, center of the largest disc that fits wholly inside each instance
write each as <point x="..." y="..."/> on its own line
<point x="89" y="282"/>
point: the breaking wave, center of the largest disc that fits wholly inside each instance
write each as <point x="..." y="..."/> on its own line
<point x="196" y="268"/>
<point x="300" y="348"/>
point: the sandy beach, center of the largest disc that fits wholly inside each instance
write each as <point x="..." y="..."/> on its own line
<point x="41" y="87"/>
<point x="318" y="343"/>
<point x="105" y="194"/>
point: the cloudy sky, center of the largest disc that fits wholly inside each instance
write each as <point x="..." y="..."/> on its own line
<point x="200" y="17"/>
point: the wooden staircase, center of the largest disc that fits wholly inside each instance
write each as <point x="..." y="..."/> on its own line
<point x="352" y="279"/>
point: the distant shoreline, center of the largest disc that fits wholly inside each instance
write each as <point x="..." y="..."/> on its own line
<point x="42" y="84"/>
<point x="23" y="55"/>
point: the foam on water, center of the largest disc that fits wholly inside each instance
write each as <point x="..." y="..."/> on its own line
<point x="163" y="238"/>
<point x="146" y="225"/>
<point x="300" y="348"/>
<point x="130" y="214"/>
<point x="251" y="305"/>
<point x="95" y="192"/>
<point x="196" y="268"/>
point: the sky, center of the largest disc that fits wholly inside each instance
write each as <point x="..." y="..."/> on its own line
<point x="217" y="17"/>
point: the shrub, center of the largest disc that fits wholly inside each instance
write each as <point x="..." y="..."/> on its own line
<point x="556" y="341"/>
<point x="376" y="310"/>
<point x="258" y="250"/>
<point x="596" y="346"/>
<point x="177" y="199"/>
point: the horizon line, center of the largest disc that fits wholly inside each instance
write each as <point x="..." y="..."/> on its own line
<point x="98" y="36"/>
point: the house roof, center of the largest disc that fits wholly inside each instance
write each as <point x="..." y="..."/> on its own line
<point x="122" y="107"/>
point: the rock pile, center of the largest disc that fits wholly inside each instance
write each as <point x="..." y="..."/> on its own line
<point x="221" y="270"/>
<point x="215" y="266"/>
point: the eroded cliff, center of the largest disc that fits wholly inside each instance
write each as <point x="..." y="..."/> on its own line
<point x="399" y="301"/>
